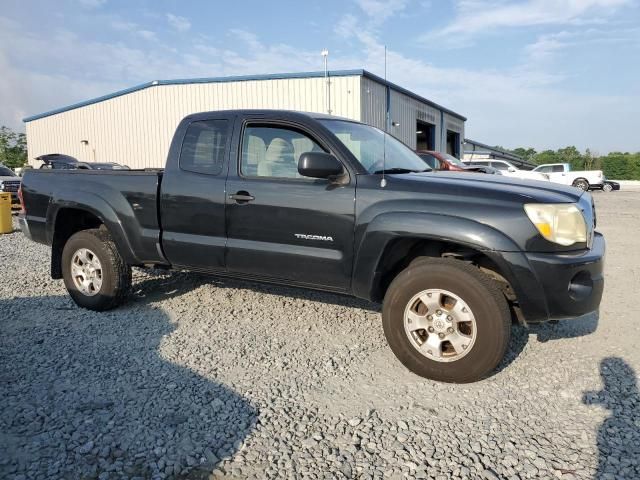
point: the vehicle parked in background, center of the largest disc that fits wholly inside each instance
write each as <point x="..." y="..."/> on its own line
<point x="322" y="202"/>
<point x="20" y="170"/>
<point x="9" y="183"/>
<point x="508" y="169"/>
<point x="562" y="173"/>
<point x="445" y="162"/>
<point x="606" y="186"/>
<point x="60" y="161"/>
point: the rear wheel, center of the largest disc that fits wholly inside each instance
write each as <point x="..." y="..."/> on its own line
<point x="581" y="183"/>
<point x="96" y="276"/>
<point x="447" y="321"/>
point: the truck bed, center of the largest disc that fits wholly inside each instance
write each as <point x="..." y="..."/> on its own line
<point x="125" y="197"/>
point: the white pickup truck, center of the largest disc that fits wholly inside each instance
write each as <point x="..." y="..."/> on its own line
<point x="562" y="173"/>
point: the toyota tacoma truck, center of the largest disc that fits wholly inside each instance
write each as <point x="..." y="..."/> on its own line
<point x="321" y="202"/>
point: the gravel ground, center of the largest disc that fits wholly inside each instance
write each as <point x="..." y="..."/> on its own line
<point x="204" y="378"/>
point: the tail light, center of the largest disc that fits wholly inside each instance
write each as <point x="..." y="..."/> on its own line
<point x="22" y="207"/>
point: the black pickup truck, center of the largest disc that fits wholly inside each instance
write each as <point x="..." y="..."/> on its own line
<point x="327" y="203"/>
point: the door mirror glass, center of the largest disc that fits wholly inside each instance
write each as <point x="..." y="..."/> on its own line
<point x="319" y="165"/>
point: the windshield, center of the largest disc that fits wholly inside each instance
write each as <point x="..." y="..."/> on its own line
<point x="6" y="172"/>
<point x="368" y="145"/>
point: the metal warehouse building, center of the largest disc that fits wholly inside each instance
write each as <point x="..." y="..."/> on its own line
<point x="135" y="126"/>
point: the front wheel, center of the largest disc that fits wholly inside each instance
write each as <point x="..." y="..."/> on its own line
<point x="96" y="276"/>
<point x="607" y="187"/>
<point x="581" y="183"/>
<point x="447" y="321"/>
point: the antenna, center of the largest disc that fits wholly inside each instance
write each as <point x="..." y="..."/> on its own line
<point x="383" y="181"/>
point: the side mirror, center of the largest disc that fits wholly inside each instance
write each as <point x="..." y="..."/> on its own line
<point x="319" y="165"/>
<point x="512" y="170"/>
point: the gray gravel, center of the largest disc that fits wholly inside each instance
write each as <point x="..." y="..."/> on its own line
<point x="205" y="378"/>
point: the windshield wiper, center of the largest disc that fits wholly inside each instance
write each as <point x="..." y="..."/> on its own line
<point x="401" y="170"/>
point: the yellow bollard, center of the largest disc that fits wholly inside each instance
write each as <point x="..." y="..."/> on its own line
<point x="6" y="222"/>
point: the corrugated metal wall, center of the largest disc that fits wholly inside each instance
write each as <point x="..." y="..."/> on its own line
<point x="374" y="103"/>
<point x="136" y="129"/>
<point x="404" y="113"/>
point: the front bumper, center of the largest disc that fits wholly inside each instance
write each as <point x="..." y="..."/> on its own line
<point x="572" y="283"/>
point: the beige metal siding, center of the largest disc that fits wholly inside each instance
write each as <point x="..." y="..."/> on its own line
<point x="136" y="128"/>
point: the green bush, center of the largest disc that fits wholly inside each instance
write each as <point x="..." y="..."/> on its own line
<point x="615" y="165"/>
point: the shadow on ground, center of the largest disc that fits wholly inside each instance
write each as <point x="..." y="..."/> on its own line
<point x="546" y="332"/>
<point x="88" y="395"/>
<point x="162" y="285"/>
<point x="165" y="284"/>
<point x="619" y="434"/>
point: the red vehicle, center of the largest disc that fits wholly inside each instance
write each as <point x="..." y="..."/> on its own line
<point x="444" y="162"/>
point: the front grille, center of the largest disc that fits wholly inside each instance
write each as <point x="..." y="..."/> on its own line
<point x="11" y="185"/>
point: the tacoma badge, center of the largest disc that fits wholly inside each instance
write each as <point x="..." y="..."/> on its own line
<point x="313" y="237"/>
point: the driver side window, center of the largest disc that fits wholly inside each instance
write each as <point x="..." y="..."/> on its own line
<point x="274" y="151"/>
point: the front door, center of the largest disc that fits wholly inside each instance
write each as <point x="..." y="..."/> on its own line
<point x="281" y="225"/>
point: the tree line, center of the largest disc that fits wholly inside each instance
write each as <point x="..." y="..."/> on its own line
<point x="13" y="148"/>
<point x="615" y="165"/>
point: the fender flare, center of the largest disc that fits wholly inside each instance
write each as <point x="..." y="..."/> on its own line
<point x="390" y="226"/>
<point x="96" y="205"/>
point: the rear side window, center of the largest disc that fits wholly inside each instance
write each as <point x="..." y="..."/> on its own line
<point x="203" y="147"/>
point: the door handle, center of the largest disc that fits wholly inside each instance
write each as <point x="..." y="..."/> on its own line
<point x="242" y="197"/>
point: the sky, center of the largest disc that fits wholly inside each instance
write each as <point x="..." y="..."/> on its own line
<point x="532" y="73"/>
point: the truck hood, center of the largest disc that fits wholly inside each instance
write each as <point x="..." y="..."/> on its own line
<point x="480" y="185"/>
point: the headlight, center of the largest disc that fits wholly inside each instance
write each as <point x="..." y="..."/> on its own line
<point x="561" y="223"/>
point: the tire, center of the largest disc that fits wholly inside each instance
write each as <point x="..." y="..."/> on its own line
<point x="607" y="187"/>
<point x="581" y="183"/>
<point x="114" y="277"/>
<point x="485" y="302"/>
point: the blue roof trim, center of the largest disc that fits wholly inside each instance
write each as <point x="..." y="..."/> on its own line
<point x="242" y="78"/>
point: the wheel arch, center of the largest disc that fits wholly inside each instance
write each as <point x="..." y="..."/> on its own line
<point x="387" y="247"/>
<point x="65" y="219"/>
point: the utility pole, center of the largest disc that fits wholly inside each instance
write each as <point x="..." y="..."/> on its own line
<point x="325" y="56"/>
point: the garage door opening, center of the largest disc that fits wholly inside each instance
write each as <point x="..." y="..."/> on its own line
<point x="425" y="136"/>
<point x="453" y="143"/>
